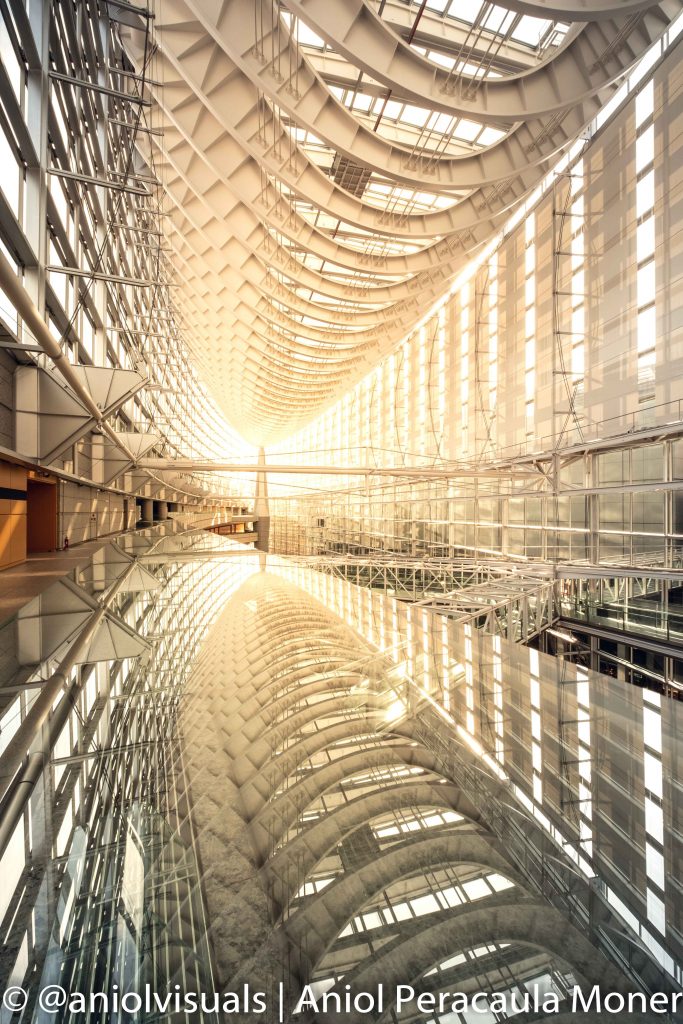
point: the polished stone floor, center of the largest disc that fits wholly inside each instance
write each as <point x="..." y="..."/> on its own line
<point x="22" y="582"/>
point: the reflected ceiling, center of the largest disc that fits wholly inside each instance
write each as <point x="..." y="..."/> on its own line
<point x="329" y="166"/>
<point x="343" y="854"/>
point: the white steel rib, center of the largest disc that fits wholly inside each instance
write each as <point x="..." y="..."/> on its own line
<point x="312" y="226"/>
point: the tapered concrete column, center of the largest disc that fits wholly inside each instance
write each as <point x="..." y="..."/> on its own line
<point x="146" y="512"/>
<point x="160" y="511"/>
<point x="261" y="507"/>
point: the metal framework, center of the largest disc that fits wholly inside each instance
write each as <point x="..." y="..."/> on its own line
<point x="342" y="756"/>
<point x="218" y="226"/>
<point x="313" y="216"/>
<point x="85" y="272"/>
<point x="101" y="878"/>
<point x="504" y="599"/>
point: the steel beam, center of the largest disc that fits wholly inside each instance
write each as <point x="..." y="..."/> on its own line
<point x="411" y="472"/>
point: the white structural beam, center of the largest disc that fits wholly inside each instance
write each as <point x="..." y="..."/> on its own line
<point x="297" y="281"/>
<point x="423" y="472"/>
<point x="591" y="61"/>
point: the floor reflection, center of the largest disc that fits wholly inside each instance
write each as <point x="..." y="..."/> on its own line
<point x="222" y="769"/>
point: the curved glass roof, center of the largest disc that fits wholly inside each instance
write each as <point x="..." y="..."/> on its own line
<point x="321" y="160"/>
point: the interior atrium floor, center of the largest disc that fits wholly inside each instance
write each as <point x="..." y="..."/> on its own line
<point x="285" y="798"/>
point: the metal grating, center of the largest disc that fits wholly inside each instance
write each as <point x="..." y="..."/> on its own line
<point x="350" y="176"/>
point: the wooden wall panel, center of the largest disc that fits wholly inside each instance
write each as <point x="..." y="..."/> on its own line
<point x="12" y="515"/>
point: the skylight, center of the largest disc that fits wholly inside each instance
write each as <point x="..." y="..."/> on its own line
<point x="530" y="30"/>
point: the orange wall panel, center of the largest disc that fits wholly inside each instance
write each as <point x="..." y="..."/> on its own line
<point x="42" y="517"/>
<point x="13" y="481"/>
